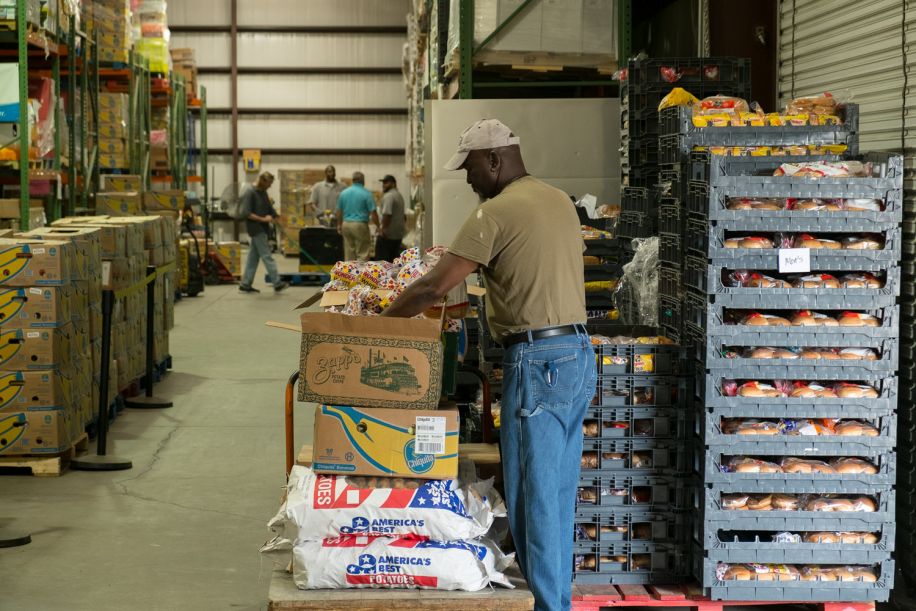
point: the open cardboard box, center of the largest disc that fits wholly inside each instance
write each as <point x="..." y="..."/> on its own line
<point x="369" y="361"/>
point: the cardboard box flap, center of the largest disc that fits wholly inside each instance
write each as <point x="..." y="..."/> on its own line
<point x="371" y="326"/>
<point x="476" y="291"/>
<point x="283" y="325"/>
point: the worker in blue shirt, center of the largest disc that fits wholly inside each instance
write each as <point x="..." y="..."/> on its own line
<point x="355" y="207"/>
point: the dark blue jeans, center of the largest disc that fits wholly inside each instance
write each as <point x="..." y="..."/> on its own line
<point x="547" y="387"/>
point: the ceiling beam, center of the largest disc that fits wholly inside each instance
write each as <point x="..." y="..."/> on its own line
<point x="290" y="29"/>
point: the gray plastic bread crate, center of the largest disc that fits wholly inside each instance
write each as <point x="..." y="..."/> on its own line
<point x="660" y="456"/>
<point x="635" y="359"/>
<point x="641" y="390"/>
<point x="822" y="259"/>
<point x="620" y="490"/>
<point x="711" y="461"/>
<point x="714" y="396"/>
<point x="714" y="317"/>
<point x="717" y="326"/>
<point x="799" y="520"/>
<point x="622" y="525"/>
<point x="699" y="162"/>
<point x="734" y="545"/>
<point x="678" y="121"/>
<point x="700" y="74"/>
<point x="799" y="553"/>
<point x="664" y="563"/>
<point x="709" y="424"/>
<point x="703" y="278"/>
<point x="638" y="422"/>
<point x="800" y="591"/>
<point x="888" y="361"/>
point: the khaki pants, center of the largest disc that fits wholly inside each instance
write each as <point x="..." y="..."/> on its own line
<point x="356" y="241"/>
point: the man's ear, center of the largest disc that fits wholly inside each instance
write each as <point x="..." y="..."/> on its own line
<point x="494" y="161"/>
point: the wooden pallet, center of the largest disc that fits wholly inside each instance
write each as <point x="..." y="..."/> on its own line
<point x="53" y="465"/>
<point x="595" y="598"/>
<point x="283" y="595"/>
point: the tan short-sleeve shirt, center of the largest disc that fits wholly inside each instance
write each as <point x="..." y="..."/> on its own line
<point x="528" y="242"/>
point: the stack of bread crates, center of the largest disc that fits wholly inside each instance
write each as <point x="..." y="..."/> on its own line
<point x="631" y="523"/>
<point x="906" y="478"/>
<point x="789" y="294"/>
<point x="45" y="353"/>
<point x="647" y="82"/>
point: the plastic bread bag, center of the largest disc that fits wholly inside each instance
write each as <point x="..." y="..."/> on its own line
<point x="352" y="561"/>
<point x="346" y="272"/>
<point x="640" y="283"/>
<point x="319" y="506"/>
<point x="720" y="104"/>
<point x="677" y="97"/>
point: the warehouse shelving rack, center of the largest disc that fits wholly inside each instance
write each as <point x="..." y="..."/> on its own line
<point x="470" y="87"/>
<point x="30" y="42"/>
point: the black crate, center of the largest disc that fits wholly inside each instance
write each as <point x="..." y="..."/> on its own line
<point x="635" y="359"/>
<point x="641" y="390"/>
<point x="690" y="73"/>
<point x="320" y="245"/>
<point x="634" y="455"/>
<point x="636" y="423"/>
<point x="632" y="225"/>
<point x="670" y="283"/>
<point x="670" y="250"/>
<point x="608" y="525"/>
<point x="670" y="315"/>
<point x="671" y="216"/>
<point x="622" y="490"/>
<point x="635" y="199"/>
<point x="629" y="563"/>
<point x="672" y="182"/>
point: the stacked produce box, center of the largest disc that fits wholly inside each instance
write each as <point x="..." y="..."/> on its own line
<point x="295" y="189"/>
<point x="631" y="519"/>
<point x="129" y="245"/>
<point x="108" y="21"/>
<point x="114" y="117"/>
<point x="45" y="355"/>
<point x="185" y="64"/>
<point x="647" y="81"/>
<point x="789" y="291"/>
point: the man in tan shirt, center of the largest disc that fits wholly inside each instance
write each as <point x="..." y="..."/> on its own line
<point x="525" y="238"/>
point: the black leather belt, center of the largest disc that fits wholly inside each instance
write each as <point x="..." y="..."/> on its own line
<point x="537" y="334"/>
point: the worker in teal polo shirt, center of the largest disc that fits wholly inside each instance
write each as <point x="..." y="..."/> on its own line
<point x="355" y="206"/>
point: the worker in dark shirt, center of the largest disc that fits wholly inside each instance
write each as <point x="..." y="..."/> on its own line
<point x="259" y="213"/>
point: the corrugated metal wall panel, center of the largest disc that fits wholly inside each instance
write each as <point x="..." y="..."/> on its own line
<point x="303" y="91"/>
<point x="323" y="131"/>
<point x="323" y="12"/>
<point x="853" y="50"/>
<point x="217" y="89"/>
<point x="195" y="12"/>
<point x="210" y="50"/>
<point x="322" y="50"/>
<point x="321" y="91"/>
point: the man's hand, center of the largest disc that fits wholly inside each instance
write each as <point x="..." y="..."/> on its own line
<point x="268" y="219"/>
<point x="429" y="290"/>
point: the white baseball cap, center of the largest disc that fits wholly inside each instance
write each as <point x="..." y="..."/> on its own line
<point x="484" y="135"/>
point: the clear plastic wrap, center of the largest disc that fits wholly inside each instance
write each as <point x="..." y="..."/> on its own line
<point x="639" y="284"/>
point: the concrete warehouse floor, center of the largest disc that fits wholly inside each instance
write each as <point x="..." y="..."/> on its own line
<point x="180" y="530"/>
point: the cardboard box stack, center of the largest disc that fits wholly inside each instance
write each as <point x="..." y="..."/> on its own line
<point x="10" y="214"/>
<point x="114" y="116"/>
<point x="129" y="245"/>
<point x="109" y="20"/>
<point x="295" y="190"/>
<point x="184" y="64"/>
<point x="45" y="397"/>
<point x="229" y="255"/>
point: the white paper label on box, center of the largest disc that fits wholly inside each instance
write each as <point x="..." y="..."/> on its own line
<point x="35" y="291"/>
<point x="794" y="260"/>
<point x="38" y="251"/>
<point x="106" y="272"/>
<point x="33" y="334"/>
<point x="430" y="436"/>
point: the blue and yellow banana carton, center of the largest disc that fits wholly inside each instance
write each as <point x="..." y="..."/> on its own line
<point x="26" y="262"/>
<point x="386" y="442"/>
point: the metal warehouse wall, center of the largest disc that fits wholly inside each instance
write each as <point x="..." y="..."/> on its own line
<point x="307" y="66"/>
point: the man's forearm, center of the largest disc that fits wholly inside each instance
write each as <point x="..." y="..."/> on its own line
<point x="417" y="298"/>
